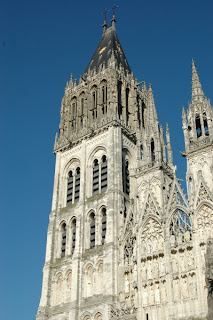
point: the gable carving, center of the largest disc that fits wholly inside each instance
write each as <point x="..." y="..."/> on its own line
<point x="202" y="194"/>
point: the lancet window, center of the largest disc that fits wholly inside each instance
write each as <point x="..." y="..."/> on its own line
<point x="104" y="98"/>
<point x="94" y="103"/>
<point x="63" y="239"/>
<point x="126" y="182"/>
<point x="127" y="105"/>
<point x="103" y="173"/>
<point x="99" y="175"/>
<point x="95" y="188"/>
<point x="205" y="124"/>
<point x="73" y="113"/>
<point x="92" y="230"/>
<point x="119" y="99"/>
<point x="198" y="126"/>
<point x="141" y="152"/>
<point x="103" y="225"/>
<point x="152" y="151"/>
<point x="73" y="231"/>
<point x="73" y="186"/>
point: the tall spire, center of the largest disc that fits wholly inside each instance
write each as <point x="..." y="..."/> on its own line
<point x="197" y="91"/>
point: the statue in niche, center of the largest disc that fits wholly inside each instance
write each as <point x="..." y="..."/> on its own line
<point x="162" y="267"/>
<point x="182" y="262"/>
<point x="160" y="244"/>
<point x="157" y="294"/>
<point x="145" y="297"/>
<point x="184" y="289"/>
<point x="151" y="295"/>
<point x="155" y="269"/>
<point x="143" y="271"/>
<point x="136" y="297"/>
<point x="192" y="286"/>
<point x="172" y="241"/>
<point x="180" y="238"/>
<point x="135" y="273"/>
<point x="163" y="292"/>
<point x="149" y="270"/>
<point x="187" y="236"/>
<point x="148" y="246"/>
<point x="154" y="244"/>
<point x="176" y="289"/>
<point x="190" y="260"/>
<point x="143" y="249"/>
<point x="126" y="283"/>
<point x="175" y="263"/>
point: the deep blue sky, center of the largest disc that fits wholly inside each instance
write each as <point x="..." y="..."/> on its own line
<point x="45" y="42"/>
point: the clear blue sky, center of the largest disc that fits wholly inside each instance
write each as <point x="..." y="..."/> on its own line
<point x="41" y="43"/>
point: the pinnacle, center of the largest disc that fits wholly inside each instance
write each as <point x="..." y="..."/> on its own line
<point x="197" y="91"/>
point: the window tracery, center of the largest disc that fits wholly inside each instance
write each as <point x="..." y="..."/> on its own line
<point x="180" y="228"/>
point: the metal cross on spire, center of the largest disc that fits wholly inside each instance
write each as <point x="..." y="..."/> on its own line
<point x="113" y="9"/>
<point x="105" y="13"/>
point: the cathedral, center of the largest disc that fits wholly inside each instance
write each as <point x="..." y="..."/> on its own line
<point x="124" y="241"/>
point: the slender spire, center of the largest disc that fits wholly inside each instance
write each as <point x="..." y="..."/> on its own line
<point x="113" y="16"/>
<point x="105" y="23"/>
<point x="197" y="91"/>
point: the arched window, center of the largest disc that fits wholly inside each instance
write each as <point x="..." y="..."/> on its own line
<point x="95" y="188"/>
<point x="73" y="186"/>
<point x="64" y="238"/>
<point x="100" y="278"/>
<point x="126" y="176"/>
<point x="205" y="124"/>
<point x="73" y="113"/>
<point x="198" y="126"/>
<point x="103" y="225"/>
<point x="77" y="185"/>
<point x="92" y="230"/>
<point x="104" y="99"/>
<point x="141" y="152"/>
<point x="152" y="151"/>
<point x="73" y="230"/>
<point x="104" y="174"/>
<point x="94" y="104"/>
<point x="119" y="99"/>
<point x="127" y="105"/>
<point x="69" y="188"/>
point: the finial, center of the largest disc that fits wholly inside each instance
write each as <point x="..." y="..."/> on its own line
<point x="105" y="24"/>
<point x="113" y="16"/>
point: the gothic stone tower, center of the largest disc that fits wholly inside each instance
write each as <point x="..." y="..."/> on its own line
<point x="123" y="241"/>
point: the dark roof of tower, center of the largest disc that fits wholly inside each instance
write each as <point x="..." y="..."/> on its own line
<point x="109" y="43"/>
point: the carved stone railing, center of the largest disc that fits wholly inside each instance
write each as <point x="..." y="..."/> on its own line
<point x="121" y="311"/>
<point x="200" y="143"/>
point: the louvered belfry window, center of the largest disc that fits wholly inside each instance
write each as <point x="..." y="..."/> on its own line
<point x="77" y="185"/>
<point x="104" y="174"/>
<point x="95" y="177"/>
<point x="126" y="186"/>
<point x="104" y="221"/>
<point x="70" y="188"/>
<point x="73" y="186"/>
<point x="92" y="230"/>
<point x="64" y="238"/>
<point x="73" y="234"/>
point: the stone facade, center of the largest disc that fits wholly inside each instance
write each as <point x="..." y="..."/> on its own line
<point x="123" y="241"/>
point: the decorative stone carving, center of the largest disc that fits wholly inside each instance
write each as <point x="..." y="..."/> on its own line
<point x="145" y="297"/>
<point x="157" y="294"/>
<point x="143" y="271"/>
<point x="175" y="263"/>
<point x="162" y="269"/>
<point x="149" y="270"/>
<point x="163" y="292"/>
<point x="176" y="289"/>
<point x="179" y="226"/>
<point x="184" y="288"/>
<point x="152" y="238"/>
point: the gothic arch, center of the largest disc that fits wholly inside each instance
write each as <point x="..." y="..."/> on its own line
<point x="204" y="221"/>
<point x="59" y="288"/>
<point x="179" y="226"/>
<point x="99" y="277"/>
<point x="98" y="316"/>
<point x="89" y="272"/>
<point x="68" y="284"/>
<point x="152" y="236"/>
<point x="98" y="152"/>
<point x="70" y="167"/>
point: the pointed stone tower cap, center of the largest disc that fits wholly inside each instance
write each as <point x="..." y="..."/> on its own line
<point x="197" y="91"/>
